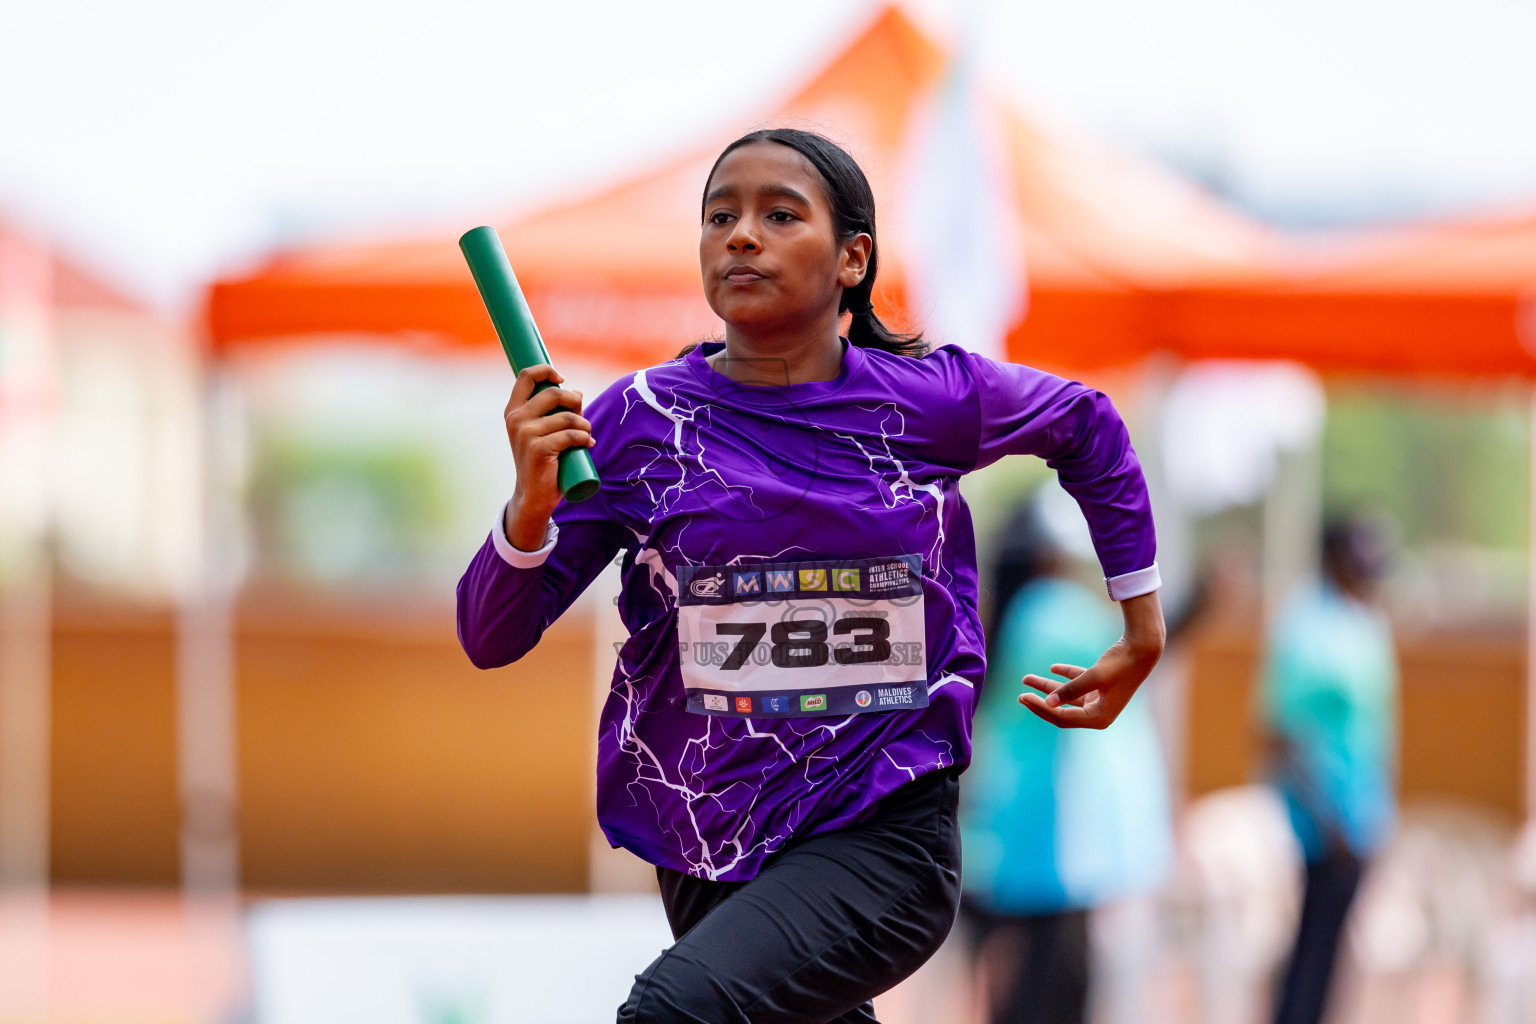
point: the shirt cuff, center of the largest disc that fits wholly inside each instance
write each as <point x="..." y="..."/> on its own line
<point x="1133" y="584"/>
<point x="514" y="557"/>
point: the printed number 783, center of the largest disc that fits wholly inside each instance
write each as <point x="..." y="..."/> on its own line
<point x="802" y="643"/>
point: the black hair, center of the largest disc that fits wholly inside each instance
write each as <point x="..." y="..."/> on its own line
<point x="853" y="212"/>
<point x="1356" y="546"/>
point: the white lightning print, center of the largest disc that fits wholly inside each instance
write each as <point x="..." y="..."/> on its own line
<point x="686" y="455"/>
<point x="898" y="484"/>
<point x="947" y="678"/>
<point x="678" y="416"/>
<point x="942" y="761"/>
<point x="648" y="768"/>
<point x="710" y="861"/>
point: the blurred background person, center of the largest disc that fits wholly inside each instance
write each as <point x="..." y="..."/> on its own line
<point x="1329" y="704"/>
<point x="1055" y="821"/>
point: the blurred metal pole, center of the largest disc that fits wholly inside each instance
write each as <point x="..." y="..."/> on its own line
<point x="29" y="386"/>
<point x="25" y="723"/>
<point x="26" y="675"/>
<point x="1293" y="519"/>
<point x="1169" y="694"/>
<point x="1529" y="737"/>
<point x="205" y="660"/>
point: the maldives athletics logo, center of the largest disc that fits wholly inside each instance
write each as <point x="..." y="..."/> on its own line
<point x="862" y="698"/>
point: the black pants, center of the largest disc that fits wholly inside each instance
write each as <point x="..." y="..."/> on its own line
<point x="1331" y="885"/>
<point x="1036" y="964"/>
<point x="828" y="924"/>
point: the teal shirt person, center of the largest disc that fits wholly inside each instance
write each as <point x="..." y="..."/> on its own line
<point x="1059" y="819"/>
<point x="1330" y="700"/>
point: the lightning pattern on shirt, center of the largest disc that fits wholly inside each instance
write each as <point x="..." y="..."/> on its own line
<point x="784" y="741"/>
<point x="698" y="470"/>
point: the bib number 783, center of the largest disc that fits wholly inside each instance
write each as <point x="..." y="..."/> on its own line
<point x="803" y="639"/>
<point x="802" y="643"/>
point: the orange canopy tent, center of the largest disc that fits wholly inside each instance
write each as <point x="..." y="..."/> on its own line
<point x="1449" y="299"/>
<point x="1106" y="238"/>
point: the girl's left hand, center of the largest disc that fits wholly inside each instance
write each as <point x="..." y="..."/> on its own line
<point x="1093" y="697"/>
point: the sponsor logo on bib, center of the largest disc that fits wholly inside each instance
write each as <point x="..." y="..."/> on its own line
<point x="744" y="704"/>
<point x="845" y="579"/>
<point x="813" y="579"/>
<point x="813" y="702"/>
<point x="775" y="703"/>
<point x="749" y="582"/>
<point x="781" y="581"/>
<point x="862" y="698"/>
<point x="715" y="702"/>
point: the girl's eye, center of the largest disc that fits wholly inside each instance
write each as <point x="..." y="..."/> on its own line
<point x="719" y="217"/>
<point x="781" y="216"/>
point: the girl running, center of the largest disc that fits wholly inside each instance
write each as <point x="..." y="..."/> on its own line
<point x="791" y="712"/>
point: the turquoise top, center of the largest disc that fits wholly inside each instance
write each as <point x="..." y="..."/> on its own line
<point x="1058" y="819"/>
<point x="1330" y="689"/>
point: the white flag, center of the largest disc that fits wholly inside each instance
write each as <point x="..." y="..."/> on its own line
<point x="962" y="243"/>
<point x="28" y="397"/>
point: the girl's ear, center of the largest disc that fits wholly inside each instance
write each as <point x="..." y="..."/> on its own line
<point x="855" y="260"/>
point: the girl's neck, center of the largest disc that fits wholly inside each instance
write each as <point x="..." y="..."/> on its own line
<point x="777" y="360"/>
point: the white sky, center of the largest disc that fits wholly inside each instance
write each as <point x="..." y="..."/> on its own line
<point x="166" y="141"/>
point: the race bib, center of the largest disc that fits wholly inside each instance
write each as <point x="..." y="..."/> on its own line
<point x="803" y="639"/>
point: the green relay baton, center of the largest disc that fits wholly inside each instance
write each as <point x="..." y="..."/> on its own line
<point x="521" y="341"/>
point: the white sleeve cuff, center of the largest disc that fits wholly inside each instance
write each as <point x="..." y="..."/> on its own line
<point x="514" y="557"/>
<point x="1133" y="584"/>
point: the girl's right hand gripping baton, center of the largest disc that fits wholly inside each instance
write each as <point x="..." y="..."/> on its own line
<point x="521" y="341"/>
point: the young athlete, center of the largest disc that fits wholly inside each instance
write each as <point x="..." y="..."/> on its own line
<point x="792" y="709"/>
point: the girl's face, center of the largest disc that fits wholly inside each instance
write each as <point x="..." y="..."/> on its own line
<point x="769" y="251"/>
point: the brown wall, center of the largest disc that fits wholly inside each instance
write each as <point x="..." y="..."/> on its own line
<point x="113" y="783"/>
<point x="1462" y="715"/>
<point x="372" y="756"/>
<point x="379" y="759"/>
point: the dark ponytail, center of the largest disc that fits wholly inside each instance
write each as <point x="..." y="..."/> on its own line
<point x="853" y="212"/>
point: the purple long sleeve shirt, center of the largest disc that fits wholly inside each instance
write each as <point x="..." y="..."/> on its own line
<point x="799" y="585"/>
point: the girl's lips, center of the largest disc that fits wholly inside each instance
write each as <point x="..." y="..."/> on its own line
<point x="742" y="275"/>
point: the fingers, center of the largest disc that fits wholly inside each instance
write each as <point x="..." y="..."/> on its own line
<point x="529" y="378"/>
<point x="1083" y="682"/>
<point x="560" y="440"/>
<point x="1067" y="716"/>
<point x="553" y="433"/>
<point x="1040" y="683"/>
<point x="543" y="423"/>
<point x="550" y="399"/>
<point x="1091" y="698"/>
<point x="530" y="415"/>
<point x="527" y="400"/>
<point x="1052" y="688"/>
<point x="546" y="422"/>
<point x="1043" y="684"/>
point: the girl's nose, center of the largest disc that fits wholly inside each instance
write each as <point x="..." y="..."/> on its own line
<point x="741" y="239"/>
